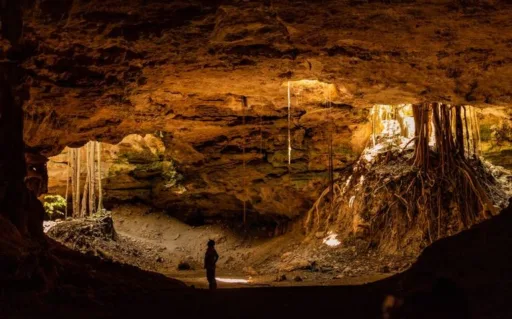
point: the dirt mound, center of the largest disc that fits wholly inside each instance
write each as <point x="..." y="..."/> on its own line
<point x="420" y="178"/>
<point x="392" y="205"/>
<point x="83" y="231"/>
<point x="97" y="237"/>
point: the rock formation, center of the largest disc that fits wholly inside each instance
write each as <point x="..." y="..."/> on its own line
<point x="212" y="77"/>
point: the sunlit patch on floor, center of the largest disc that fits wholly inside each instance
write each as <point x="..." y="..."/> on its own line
<point x="331" y="240"/>
<point x="233" y="280"/>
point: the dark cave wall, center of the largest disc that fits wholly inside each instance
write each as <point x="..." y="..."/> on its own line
<point x="12" y="95"/>
<point x="26" y="264"/>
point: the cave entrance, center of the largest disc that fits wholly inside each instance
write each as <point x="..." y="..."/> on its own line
<point x="395" y="126"/>
<point x="383" y="203"/>
<point x="90" y="179"/>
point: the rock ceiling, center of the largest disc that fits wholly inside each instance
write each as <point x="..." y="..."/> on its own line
<point x="199" y="70"/>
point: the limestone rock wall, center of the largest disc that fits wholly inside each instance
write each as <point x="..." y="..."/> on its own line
<point x="212" y="77"/>
<point x="101" y="70"/>
<point x="193" y="181"/>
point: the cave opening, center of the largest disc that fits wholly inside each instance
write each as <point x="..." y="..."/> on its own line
<point x="417" y="174"/>
<point x="378" y="215"/>
<point x="362" y="145"/>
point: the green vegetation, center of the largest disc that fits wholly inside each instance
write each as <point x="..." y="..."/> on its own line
<point x="54" y="207"/>
<point x="486" y="132"/>
<point x="501" y="133"/>
<point x="170" y="175"/>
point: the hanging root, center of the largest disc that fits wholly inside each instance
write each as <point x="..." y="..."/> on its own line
<point x="410" y="200"/>
<point x="445" y="169"/>
<point x="315" y="213"/>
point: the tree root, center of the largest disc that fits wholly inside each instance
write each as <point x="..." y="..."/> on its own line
<point x="439" y="194"/>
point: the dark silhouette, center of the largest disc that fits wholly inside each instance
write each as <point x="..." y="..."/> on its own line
<point x="445" y="300"/>
<point x="210" y="260"/>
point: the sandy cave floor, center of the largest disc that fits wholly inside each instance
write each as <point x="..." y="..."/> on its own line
<point x="156" y="242"/>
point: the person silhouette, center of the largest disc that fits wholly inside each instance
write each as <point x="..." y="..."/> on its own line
<point x="210" y="261"/>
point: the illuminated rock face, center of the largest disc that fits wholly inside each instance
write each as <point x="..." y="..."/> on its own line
<point x="154" y="170"/>
<point x="197" y="71"/>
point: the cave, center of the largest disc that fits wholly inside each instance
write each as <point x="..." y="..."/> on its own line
<point x="344" y="157"/>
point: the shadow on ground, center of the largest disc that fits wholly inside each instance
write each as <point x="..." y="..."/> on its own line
<point x="465" y="276"/>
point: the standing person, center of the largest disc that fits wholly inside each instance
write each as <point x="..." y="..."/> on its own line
<point x="210" y="259"/>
